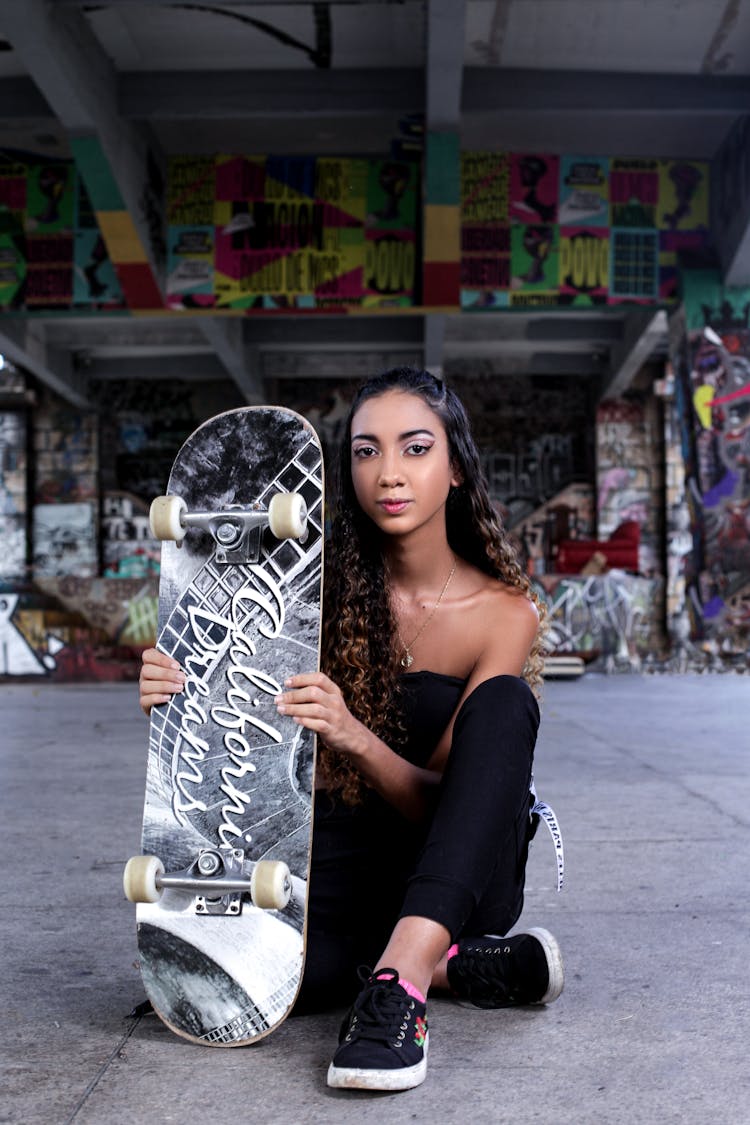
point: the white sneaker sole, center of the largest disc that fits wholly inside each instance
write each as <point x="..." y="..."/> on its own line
<point x="553" y="953"/>
<point x="366" y="1078"/>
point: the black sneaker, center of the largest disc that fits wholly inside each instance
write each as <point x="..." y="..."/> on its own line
<point x="383" y="1040"/>
<point x="497" y="972"/>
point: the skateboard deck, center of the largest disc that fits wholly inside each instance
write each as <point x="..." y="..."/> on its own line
<point x="229" y="781"/>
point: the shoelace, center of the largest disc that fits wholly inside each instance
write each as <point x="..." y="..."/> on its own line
<point x="487" y="967"/>
<point x="379" y="1011"/>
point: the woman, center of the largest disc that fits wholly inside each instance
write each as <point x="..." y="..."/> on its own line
<point x="426" y="722"/>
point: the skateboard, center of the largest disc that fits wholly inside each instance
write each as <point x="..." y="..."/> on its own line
<point x="221" y="884"/>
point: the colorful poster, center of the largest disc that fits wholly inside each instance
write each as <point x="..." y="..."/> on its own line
<point x="190" y="267"/>
<point x="485" y="230"/>
<point x="584" y="191"/>
<point x="535" y="252"/>
<point x="191" y="191"/>
<point x="390" y="265"/>
<point x="50" y="197"/>
<point x="391" y="195"/>
<point x="13" y="183"/>
<point x="534" y="188"/>
<point x="634" y="265"/>
<point x="49" y="276"/>
<point x="633" y="192"/>
<point x="683" y="195"/>
<point x="12" y="261"/>
<point x="584" y="265"/>
<point x="95" y="280"/>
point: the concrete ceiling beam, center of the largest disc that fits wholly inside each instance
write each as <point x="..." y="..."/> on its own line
<point x="25" y="345"/>
<point x="646" y="332"/>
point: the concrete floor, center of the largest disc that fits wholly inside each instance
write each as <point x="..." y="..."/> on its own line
<point x="649" y="777"/>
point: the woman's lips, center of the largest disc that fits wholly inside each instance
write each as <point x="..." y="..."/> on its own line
<point x="393" y="507"/>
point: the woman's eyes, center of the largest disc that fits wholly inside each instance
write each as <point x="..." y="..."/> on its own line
<point x="414" y="449"/>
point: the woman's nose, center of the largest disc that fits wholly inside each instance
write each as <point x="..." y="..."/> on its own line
<point x="390" y="471"/>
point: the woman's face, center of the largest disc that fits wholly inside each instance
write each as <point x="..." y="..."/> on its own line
<point x="400" y="461"/>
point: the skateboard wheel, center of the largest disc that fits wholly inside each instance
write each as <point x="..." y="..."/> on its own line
<point x="140" y="877"/>
<point x="270" y="884"/>
<point x="287" y="515"/>
<point x="165" y="517"/>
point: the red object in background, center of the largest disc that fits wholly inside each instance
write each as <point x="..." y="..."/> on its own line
<point x="620" y="550"/>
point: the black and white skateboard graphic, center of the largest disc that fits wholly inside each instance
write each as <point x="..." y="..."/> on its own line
<point x="221" y="885"/>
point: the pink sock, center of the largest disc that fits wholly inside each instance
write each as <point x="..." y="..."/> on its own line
<point x="452" y="951"/>
<point x="409" y="989"/>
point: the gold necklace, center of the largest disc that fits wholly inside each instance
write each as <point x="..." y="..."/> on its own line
<point x="407" y="659"/>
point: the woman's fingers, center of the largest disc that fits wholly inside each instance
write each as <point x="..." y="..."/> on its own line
<point x="313" y="701"/>
<point x="161" y="677"/>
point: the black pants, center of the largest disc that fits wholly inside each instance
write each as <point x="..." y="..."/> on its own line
<point x="465" y="870"/>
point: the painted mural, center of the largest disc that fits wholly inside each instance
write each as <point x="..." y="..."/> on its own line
<point x="540" y="230"/>
<point x="712" y="382"/>
<point x="275" y="232"/>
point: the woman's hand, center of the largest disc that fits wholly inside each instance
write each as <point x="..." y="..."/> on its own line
<point x="314" y="701"/>
<point x="160" y="678"/>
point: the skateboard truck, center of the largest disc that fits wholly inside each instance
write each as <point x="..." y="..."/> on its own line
<point x="215" y="878"/>
<point x="235" y="530"/>
<point x="218" y="868"/>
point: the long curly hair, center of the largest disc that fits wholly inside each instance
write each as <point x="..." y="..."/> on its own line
<point x="359" y="651"/>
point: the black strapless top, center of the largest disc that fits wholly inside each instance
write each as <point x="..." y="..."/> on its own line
<point x="429" y="700"/>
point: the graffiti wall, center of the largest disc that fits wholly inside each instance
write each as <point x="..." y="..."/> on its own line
<point x="712" y="383"/>
<point x="13" y="494"/>
<point x="77" y="628"/>
<point x="630" y="473"/>
<point x="608" y="619"/>
<point x="543" y="230"/>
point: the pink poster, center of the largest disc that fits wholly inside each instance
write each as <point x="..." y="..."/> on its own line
<point x="534" y="188"/>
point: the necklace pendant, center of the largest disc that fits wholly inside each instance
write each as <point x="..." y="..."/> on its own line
<point x="407" y="660"/>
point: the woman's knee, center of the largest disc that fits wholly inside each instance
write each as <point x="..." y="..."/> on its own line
<point x="501" y="708"/>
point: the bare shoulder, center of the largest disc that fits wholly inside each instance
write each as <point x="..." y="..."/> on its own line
<point x="504" y="624"/>
<point x="508" y="608"/>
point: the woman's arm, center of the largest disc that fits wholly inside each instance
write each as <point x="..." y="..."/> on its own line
<point x="315" y="702"/>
